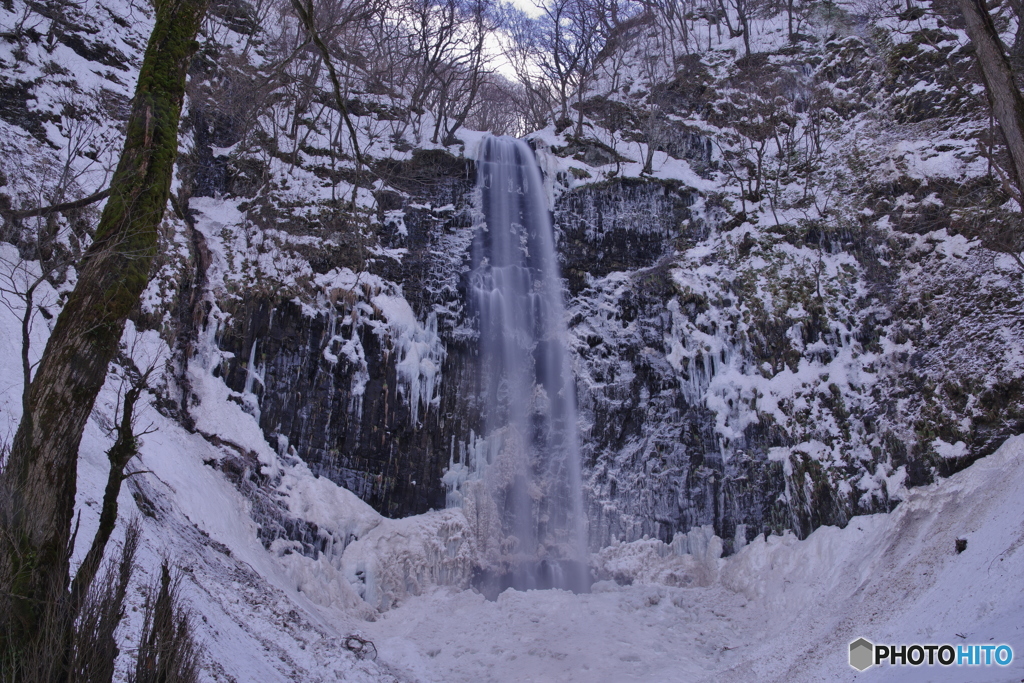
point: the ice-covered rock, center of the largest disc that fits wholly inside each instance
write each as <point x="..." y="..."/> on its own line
<point x="692" y="559"/>
<point x="403" y="557"/>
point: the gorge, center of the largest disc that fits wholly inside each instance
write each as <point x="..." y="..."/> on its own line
<point x="711" y="347"/>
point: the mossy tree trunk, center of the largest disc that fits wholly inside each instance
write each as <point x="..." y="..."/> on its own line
<point x="37" y="485"/>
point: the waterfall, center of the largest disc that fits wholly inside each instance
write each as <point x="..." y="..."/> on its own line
<point x="528" y="497"/>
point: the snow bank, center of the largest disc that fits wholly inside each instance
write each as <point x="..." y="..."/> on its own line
<point x="329" y="506"/>
<point x="781" y="609"/>
<point x="898" y="577"/>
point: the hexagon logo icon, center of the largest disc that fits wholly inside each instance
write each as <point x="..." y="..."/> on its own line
<point x="861" y="654"/>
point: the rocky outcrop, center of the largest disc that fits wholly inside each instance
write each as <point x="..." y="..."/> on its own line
<point x="343" y="382"/>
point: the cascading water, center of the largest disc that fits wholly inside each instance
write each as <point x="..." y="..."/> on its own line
<point x="525" y="491"/>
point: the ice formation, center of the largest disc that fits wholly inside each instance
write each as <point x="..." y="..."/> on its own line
<point x="402" y="557"/>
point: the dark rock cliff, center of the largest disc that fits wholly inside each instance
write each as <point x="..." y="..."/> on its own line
<point x="351" y="416"/>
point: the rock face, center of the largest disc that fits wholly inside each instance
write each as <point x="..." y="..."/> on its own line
<point x="350" y="419"/>
<point x="726" y="376"/>
<point x="374" y="388"/>
<point x="657" y="465"/>
<point x="622" y="226"/>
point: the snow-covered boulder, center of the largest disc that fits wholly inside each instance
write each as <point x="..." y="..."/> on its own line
<point x="402" y="557"/>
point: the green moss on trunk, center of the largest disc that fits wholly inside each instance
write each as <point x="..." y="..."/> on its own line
<point x="37" y="487"/>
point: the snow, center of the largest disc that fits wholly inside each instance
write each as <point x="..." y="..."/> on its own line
<point x="400" y="558"/>
<point x="472" y="140"/>
<point x="692" y="559"/>
<point x="782" y="609"/>
<point x="222" y="416"/>
<point x="949" y="450"/>
<point x="326" y="504"/>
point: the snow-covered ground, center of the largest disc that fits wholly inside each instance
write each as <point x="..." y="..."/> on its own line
<point x="782" y="609"/>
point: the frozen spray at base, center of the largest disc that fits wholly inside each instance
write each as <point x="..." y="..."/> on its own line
<point x="521" y="488"/>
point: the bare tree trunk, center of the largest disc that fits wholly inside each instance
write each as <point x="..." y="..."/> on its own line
<point x="743" y="18"/>
<point x="1007" y="103"/>
<point x="37" y="486"/>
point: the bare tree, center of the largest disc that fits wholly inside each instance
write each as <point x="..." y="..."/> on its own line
<point x="308" y="16"/>
<point x="522" y="45"/>
<point x="167" y="652"/>
<point x="460" y="80"/>
<point x="572" y="37"/>
<point x="742" y="18"/>
<point x="433" y="37"/>
<point x="126" y="446"/>
<point x="500" y="107"/>
<point x="18" y="285"/>
<point x="673" y="22"/>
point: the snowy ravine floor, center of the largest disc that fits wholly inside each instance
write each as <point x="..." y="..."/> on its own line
<point x="783" y="610"/>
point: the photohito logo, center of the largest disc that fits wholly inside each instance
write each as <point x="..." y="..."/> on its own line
<point x="864" y="654"/>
